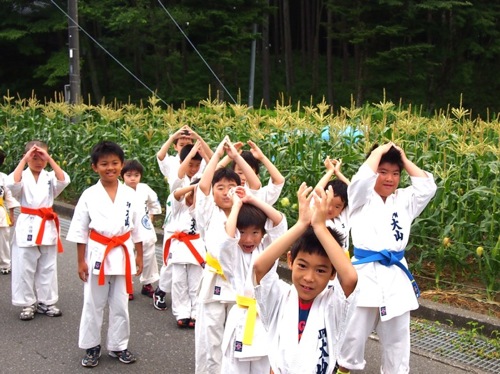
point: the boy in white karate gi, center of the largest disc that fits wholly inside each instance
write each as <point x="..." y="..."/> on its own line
<point x="132" y="173"/>
<point x="307" y="320"/>
<point x="381" y="217"/>
<point x="191" y="159"/>
<point x="36" y="239"/>
<point x="250" y="227"/>
<point x="216" y="296"/>
<point x="169" y="167"/>
<point x="106" y="226"/>
<point x="7" y="205"/>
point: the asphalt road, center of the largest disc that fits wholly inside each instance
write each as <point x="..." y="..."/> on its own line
<point x="50" y="345"/>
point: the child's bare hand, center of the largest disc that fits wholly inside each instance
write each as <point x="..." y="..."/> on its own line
<point x="329" y="164"/>
<point x="231" y="151"/>
<point x="138" y="264"/>
<point x="304" y="196"/>
<point x="401" y="152"/>
<point x="321" y="200"/>
<point x="196" y="148"/>
<point x="221" y="148"/>
<point x="83" y="271"/>
<point x="337" y="164"/>
<point x="255" y="150"/>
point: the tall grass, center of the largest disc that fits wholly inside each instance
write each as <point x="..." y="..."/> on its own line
<point x="458" y="232"/>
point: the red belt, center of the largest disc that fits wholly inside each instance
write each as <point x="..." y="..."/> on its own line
<point x="47" y="214"/>
<point x="111" y="243"/>
<point x="186" y="239"/>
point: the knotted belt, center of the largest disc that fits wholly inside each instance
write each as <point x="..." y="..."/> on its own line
<point x="110" y="243"/>
<point x="386" y="258"/>
<point x="251" y="304"/>
<point x="7" y="216"/>
<point x="186" y="239"/>
<point x="215" y="266"/>
<point x="47" y="214"/>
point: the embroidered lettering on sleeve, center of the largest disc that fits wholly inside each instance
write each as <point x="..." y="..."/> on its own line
<point x="322" y="366"/>
<point x="398" y="235"/>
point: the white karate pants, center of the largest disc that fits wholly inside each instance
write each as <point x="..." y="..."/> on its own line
<point x="394" y="336"/>
<point x="95" y="297"/>
<point x="150" y="265"/>
<point x="34" y="275"/>
<point x="208" y="334"/>
<point x="4" y="247"/>
<point x="231" y="365"/>
<point x="185" y="283"/>
<point x="165" y="282"/>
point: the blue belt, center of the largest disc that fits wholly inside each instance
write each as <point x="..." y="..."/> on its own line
<point x="386" y="258"/>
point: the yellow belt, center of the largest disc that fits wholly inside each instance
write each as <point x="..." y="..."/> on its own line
<point x="215" y="265"/>
<point x="9" y="222"/>
<point x="251" y="304"/>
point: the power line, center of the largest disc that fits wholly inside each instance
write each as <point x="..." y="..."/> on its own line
<point x="196" y="50"/>
<point x="109" y="53"/>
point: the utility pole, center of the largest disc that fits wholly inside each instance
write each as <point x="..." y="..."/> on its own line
<point x="74" y="53"/>
<point x="251" y="86"/>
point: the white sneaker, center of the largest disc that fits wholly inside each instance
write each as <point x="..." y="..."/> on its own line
<point x="49" y="310"/>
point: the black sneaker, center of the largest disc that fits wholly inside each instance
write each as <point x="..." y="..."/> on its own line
<point x="91" y="358"/>
<point x="124" y="356"/>
<point x="159" y="299"/>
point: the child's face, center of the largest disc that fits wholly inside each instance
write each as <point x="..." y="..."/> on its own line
<point x="250" y="238"/>
<point x="310" y="274"/>
<point x="387" y="180"/>
<point x="132" y="178"/>
<point x="335" y="207"/>
<point x="108" y="167"/>
<point x="193" y="168"/>
<point x="220" y="192"/>
<point x="239" y="171"/>
<point x="36" y="163"/>
<point x="181" y="142"/>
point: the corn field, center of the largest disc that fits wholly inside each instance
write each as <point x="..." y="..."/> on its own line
<point x="458" y="233"/>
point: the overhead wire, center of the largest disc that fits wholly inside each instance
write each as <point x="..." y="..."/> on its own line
<point x="196" y="50"/>
<point x="108" y="53"/>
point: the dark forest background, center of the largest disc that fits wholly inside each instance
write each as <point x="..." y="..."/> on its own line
<point x="427" y="52"/>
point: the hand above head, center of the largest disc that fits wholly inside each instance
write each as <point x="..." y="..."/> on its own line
<point x="304" y="197"/>
<point x="255" y="150"/>
<point x="322" y="199"/>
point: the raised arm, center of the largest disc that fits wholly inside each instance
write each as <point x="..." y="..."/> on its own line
<point x="348" y="277"/>
<point x="183" y="168"/>
<point x="266" y="260"/>
<point x="412" y="169"/>
<point x="252" y="178"/>
<point x="162" y="153"/>
<point x="274" y="173"/>
<point x="226" y="160"/>
<point x="206" y="178"/>
<point x="206" y="152"/>
<point x="44" y="155"/>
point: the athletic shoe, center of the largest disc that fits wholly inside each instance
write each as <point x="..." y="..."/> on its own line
<point x="92" y="356"/>
<point x="148" y="290"/>
<point x="28" y="313"/>
<point x="49" y="310"/>
<point x="124" y="356"/>
<point x="192" y="323"/>
<point x="183" y="323"/>
<point x="159" y="299"/>
<point x="5" y="271"/>
<point x="131" y="296"/>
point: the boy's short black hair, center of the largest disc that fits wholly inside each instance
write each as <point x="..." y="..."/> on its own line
<point x="2" y="157"/>
<point x="132" y="165"/>
<point x="309" y="243"/>
<point x="105" y="148"/>
<point x="185" y="151"/>
<point x="393" y="156"/>
<point x="339" y="189"/>
<point x="226" y="173"/>
<point x="36" y="142"/>
<point x="250" y="215"/>
<point x="250" y="160"/>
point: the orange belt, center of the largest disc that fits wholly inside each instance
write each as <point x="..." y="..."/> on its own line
<point x="186" y="239"/>
<point x="111" y="243"/>
<point x="47" y="214"/>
